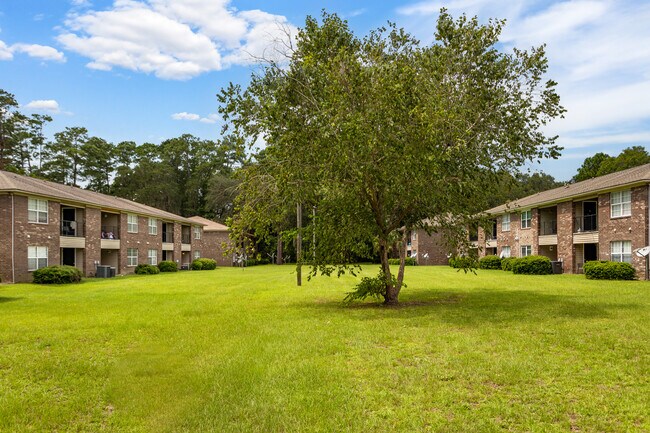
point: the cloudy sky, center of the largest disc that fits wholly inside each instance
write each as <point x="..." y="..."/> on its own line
<point x="146" y="70"/>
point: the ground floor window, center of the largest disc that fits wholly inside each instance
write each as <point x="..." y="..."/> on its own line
<point x="197" y="255"/>
<point x="622" y="251"/>
<point x="505" y="252"/>
<point x="153" y="257"/>
<point x="526" y="250"/>
<point x="132" y="257"/>
<point x="36" y="258"/>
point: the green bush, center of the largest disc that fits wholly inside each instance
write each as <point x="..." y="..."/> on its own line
<point x="604" y="270"/>
<point x="168" y="266"/>
<point x="408" y="261"/>
<point x="532" y="265"/>
<point x="146" y="269"/>
<point x="368" y="287"/>
<point x="204" y="265"/>
<point x="490" y="262"/>
<point x="255" y="262"/>
<point x="463" y="262"/>
<point x="57" y="275"/>
<point x="506" y="263"/>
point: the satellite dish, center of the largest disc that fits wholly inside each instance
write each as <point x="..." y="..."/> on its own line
<point x="642" y="252"/>
<point x="426" y="255"/>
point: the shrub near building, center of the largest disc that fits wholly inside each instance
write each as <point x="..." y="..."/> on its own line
<point x="532" y="265"/>
<point x="168" y="266"/>
<point x="146" y="269"/>
<point x="204" y="264"/>
<point x="57" y="275"/>
<point x="490" y="262"/>
<point x="604" y="270"/>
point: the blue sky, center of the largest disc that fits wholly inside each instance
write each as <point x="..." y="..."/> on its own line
<point x="147" y="70"/>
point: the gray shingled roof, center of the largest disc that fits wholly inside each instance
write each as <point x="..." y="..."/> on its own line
<point x="632" y="176"/>
<point x="209" y="225"/>
<point x="12" y="182"/>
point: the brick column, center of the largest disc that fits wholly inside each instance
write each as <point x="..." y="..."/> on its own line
<point x="177" y="244"/>
<point x="565" y="250"/>
<point x="92" y="232"/>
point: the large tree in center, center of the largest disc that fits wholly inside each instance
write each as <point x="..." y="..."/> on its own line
<point x="383" y="134"/>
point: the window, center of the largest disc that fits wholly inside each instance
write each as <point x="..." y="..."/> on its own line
<point x="197" y="255"/>
<point x="505" y="252"/>
<point x="622" y="251"/>
<point x="132" y="257"/>
<point x="132" y="223"/>
<point x="37" y="211"/>
<point x="36" y="258"/>
<point x="197" y="232"/>
<point x="526" y="250"/>
<point x="526" y="217"/>
<point x="153" y="257"/>
<point x="621" y="203"/>
<point x="153" y="226"/>
<point x="505" y="223"/>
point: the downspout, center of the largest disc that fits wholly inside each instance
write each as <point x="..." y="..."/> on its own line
<point x="13" y="243"/>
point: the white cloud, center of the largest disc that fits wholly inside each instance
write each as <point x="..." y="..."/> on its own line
<point x="5" y="52"/>
<point x="185" y="116"/>
<point x="39" y="51"/>
<point x="171" y="39"/>
<point x="212" y="118"/>
<point x="49" y="105"/>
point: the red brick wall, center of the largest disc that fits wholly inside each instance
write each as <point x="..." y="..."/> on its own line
<point x="433" y="245"/>
<point x="5" y="238"/>
<point x="565" y="247"/>
<point x="93" y="231"/>
<point x="141" y="240"/>
<point x="211" y="246"/>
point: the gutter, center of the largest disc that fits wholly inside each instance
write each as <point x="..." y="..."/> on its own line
<point x="13" y="241"/>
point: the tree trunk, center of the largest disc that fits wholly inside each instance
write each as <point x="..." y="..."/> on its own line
<point x="392" y="292"/>
<point x="279" y="259"/>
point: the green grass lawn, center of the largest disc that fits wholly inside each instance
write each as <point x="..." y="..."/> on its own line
<point x="236" y="350"/>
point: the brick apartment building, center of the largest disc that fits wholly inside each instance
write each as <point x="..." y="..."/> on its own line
<point x="605" y="218"/>
<point x="44" y="223"/>
<point x="215" y="241"/>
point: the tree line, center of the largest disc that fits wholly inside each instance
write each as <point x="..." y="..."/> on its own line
<point x="185" y="175"/>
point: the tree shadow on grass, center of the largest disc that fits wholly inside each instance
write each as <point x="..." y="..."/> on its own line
<point x="477" y="307"/>
<point x="9" y="299"/>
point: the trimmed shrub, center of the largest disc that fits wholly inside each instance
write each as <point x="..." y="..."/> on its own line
<point x="168" y="266"/>
<point x="57" y="275"/>
<point x="532" y="265"/>
<point x="604" y="270"/>
<point x="490" y="262"/>
<point x="463" y="262"/>
<point x="146" y="269"/>
<point x="255" y="262"/>
<point x="408" y="261"/>
<point x="204" y="264"/>
<point x="506" y="263"/>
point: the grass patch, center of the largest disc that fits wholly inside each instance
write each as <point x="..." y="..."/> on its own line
<point x="247" y="351"/>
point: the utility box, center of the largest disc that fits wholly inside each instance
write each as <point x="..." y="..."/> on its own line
<point x="557" y="267"/>
<point x="102" y="271"/>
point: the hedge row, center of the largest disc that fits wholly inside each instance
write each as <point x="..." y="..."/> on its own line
<point x="203" y="265"/>
<point x="532" y="265"/>
<point x="57" y="275"/>
<point x="463" y="262"/>
<point x="603" y="270"/>
<point x="408" y="261"/>
<point x="490" y="262"/>
<point x="146" y="269"/>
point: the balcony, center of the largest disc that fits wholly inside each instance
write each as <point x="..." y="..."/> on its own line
<point x="168" y="237"/>
<point x="72" y="228"/>
<point x="186" y="238"/>
<point x="110" y="232"/>
<point x="547" y="228"/>
<point x="585" y="224"/>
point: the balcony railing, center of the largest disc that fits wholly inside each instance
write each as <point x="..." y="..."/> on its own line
<point x="587" y="223"/>
<point x="110" y="232"/>
<point x="168" y="237"/>
<point x="548" y="228"/>
<point x="186" y="238"/>
<point x="72" y="228"/>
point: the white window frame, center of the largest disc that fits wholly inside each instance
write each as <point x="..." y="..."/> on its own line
<point x="37" y="211"/>
<point x="153" y="226"/>
<point x="621" y="203"/>
<point x="526" y="250"/>
<point x="131" y="257"/>
<point x="37" y="257"/>
<point x="526" y="219"/>
<point x="152" y="256"/>
<point x="197" y="232"/>
<point x="505" y="222"/>
<point x="197" y="255"/>
<point x="506" y="251"/>
<point x="131" y="226"/>
<point x="621" y="251"/>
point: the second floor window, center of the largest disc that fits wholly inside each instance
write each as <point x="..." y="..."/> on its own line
<point x="132" y="223"/>
<point x="37" y="211"/>
<point x="197" y="232"/>
<point x="621" y="203"/>
<point x="526" y="250"/>
<point x="526" y="218"/>
<point x="153" y="226"/>
<point x="505" y="223"/>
